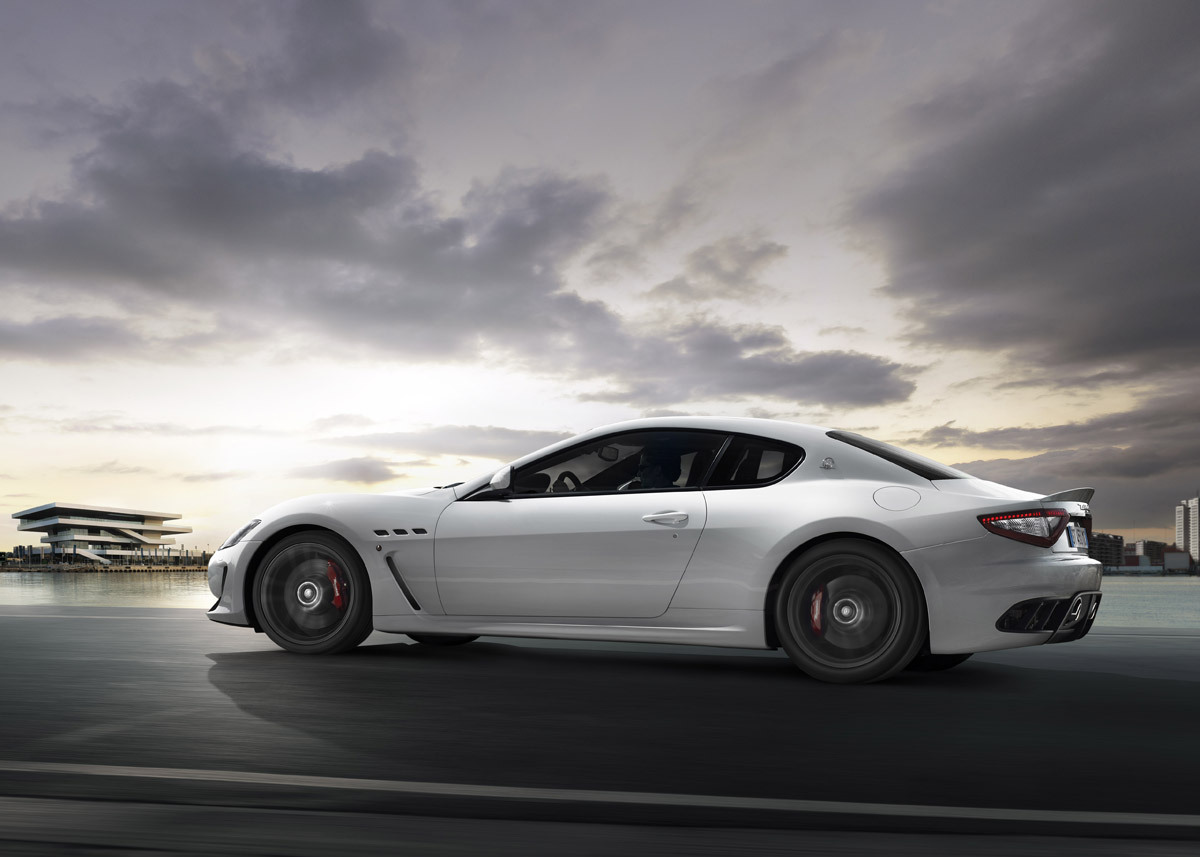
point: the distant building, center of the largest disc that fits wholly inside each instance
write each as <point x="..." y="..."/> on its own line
<point x="1177" y="561"/>
<point x="1132" y="557"/>
<point x="1187" y="527"/>
<point x="1153" y="551"/>
<point x="1108" y="548"/>
<point x="99" y="534"/>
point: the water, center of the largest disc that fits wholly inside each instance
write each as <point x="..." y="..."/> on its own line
<point x="133" y="589"/>
<point x="1150" y="602"/>
<point x="1129" y="602"/>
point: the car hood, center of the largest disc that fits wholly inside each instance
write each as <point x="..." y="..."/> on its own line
<point x="375" y="510"/>
<point x="414" y="492"/>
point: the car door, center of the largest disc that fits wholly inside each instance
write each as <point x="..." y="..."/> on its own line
<point x="595" y="542"/>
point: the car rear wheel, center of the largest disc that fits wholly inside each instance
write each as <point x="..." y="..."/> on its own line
<point x="443" y="639"/>
<point x="928" y="663"/>
<point x="850" y="611"/>
<point x="312" y="595"/>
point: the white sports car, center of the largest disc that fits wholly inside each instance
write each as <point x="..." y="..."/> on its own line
<point x="858" y="558"/>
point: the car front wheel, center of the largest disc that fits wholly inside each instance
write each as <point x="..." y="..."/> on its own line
<point x="850" y="611"/>
<point x="312" y="595"/>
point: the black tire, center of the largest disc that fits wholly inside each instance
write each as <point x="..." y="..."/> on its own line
<point x="312" y="595"/>
<point x="927" y="663"/>
<point x="850" y="611"/>
<point x="443" y="639"/>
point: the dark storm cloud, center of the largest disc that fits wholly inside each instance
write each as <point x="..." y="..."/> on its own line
<point x="181" y="197"/>
<point x="645" y="228"/>
<point x="333" y="51"/>
<point x="1121" y="502"/>
<point x="67" y="339"/>
<point x="766" y="102"/>
<point x="174" y="201"/>
<point x="440" y="287"/>
<point x="1051" y="214"/>
<point x="1140" y="460"/>
<point x="170" y="195"/>
<point x="744" y="113"/>
<point x="56" y="239"/>
<point x="367" y="471"/>
<point x="713" y="360"/>
<point x="728" y="268"/>
<point x="1143" y="443"/>
<point x="476" y="441"/>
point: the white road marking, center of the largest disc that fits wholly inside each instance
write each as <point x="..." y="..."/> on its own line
<point x="595" y="796"/>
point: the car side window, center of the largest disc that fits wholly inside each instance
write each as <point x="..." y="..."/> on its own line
<point x="750" y="461"/>
<point x="636" y="461"/>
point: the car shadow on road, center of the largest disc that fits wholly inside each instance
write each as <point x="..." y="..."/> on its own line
<point x="493" y="712"/>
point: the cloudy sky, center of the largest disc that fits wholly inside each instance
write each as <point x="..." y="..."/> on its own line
<point x="250" y="250"/>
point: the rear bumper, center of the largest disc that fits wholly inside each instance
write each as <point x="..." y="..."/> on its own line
<point x="1065" y="619"/>
<point x="970" y="585"/>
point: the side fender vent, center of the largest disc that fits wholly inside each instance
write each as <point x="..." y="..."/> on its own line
<point x="412" y="601"/>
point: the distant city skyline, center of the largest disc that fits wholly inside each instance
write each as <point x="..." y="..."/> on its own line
<point x="252" y="250"/>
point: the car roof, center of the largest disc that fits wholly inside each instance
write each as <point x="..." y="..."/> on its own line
<point x="779" y="429"/>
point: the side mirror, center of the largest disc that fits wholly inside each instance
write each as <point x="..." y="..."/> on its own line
<point x="500" y="488"/>
<point x="502" y="481"/>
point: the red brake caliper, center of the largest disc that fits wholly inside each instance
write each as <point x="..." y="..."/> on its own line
<point x="335" y="577"/>
<point x="814" y="610"/>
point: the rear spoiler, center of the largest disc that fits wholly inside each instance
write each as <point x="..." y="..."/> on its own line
<point x="1077" y="495"/>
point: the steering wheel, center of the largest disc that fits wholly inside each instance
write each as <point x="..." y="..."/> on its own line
<point x="560" y="484"/>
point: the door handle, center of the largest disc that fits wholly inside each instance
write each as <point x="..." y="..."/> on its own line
<point x="668" y="519"/>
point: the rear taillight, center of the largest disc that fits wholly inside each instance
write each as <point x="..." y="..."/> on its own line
<point x="1040" y="527"/>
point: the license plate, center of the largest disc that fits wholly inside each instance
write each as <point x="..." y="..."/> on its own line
<point x="1077" y="536"/>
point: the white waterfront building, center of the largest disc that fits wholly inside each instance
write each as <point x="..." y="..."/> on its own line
<point x="101" y="534"/>
<point x="1187" y="527"/>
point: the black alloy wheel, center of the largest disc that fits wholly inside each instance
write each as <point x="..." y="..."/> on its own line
<point x="850" y="611"/>
<point x="312" y="595"/>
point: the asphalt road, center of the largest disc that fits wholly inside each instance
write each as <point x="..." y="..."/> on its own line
<point x="158" y="731"/>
